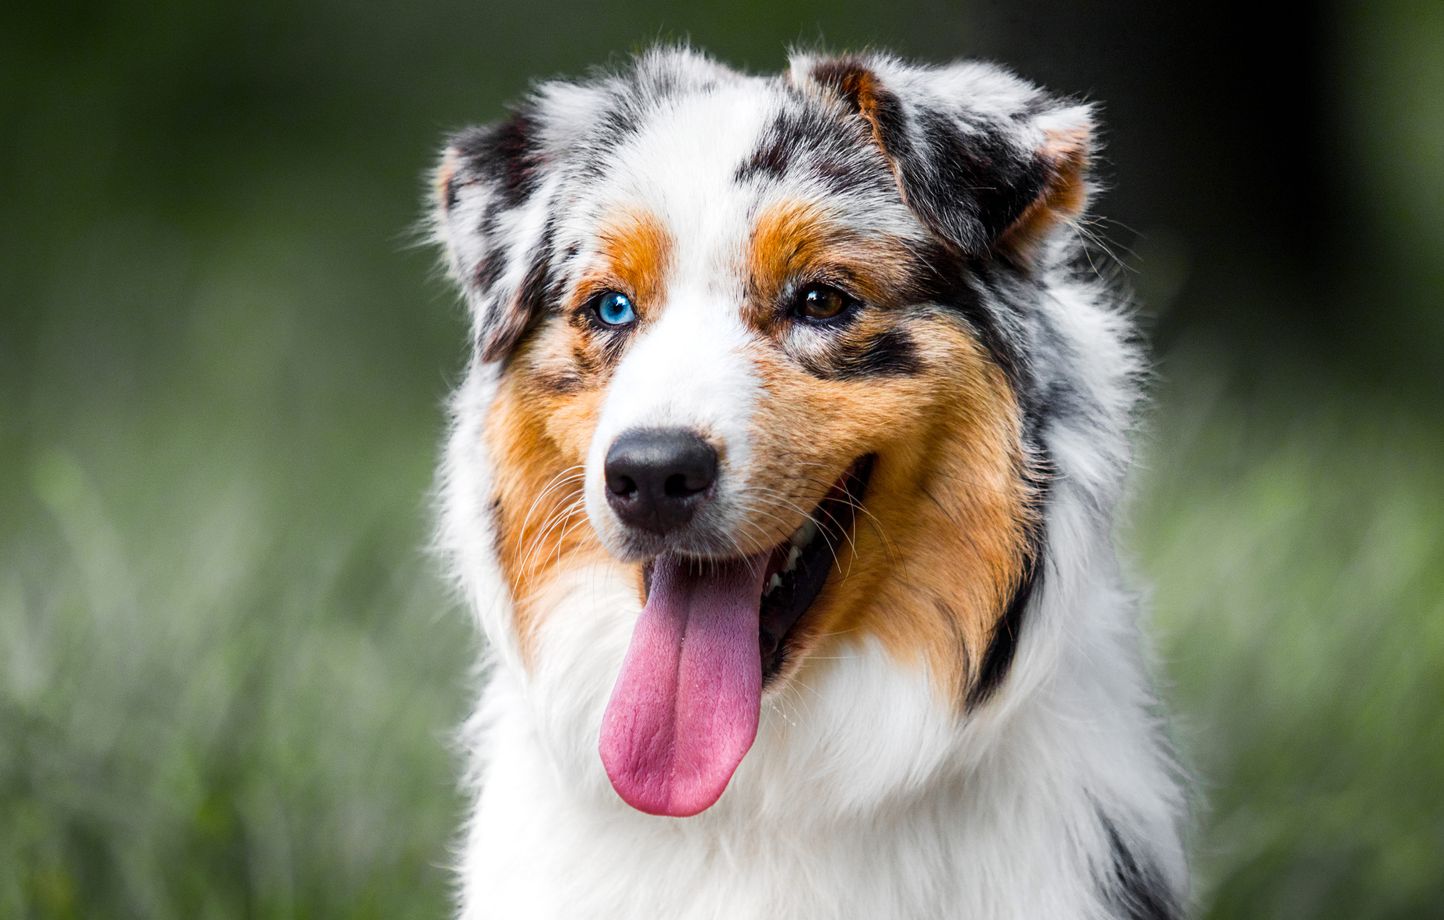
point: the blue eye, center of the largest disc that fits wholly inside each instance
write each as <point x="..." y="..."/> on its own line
<point x="614" y="308"/>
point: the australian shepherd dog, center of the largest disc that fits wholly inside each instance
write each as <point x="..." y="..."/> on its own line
<point x="782" y="483"/>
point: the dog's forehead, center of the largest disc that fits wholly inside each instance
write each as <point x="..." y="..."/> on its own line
<point x="707" y="164"/>
<point x="696" y="140"/>
<point x="682" y="163"/>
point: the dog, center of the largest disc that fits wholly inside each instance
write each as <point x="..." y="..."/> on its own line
<point x="782" y="482"/>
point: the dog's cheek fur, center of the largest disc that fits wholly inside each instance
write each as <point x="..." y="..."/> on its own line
<point x="537" y="433"/>
<point x="942" y="540"/>
<point x="956" y="503"/>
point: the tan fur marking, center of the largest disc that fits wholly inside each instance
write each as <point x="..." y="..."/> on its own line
<point x="635" y="254"/>
<point x="964" y="541"/>
<point x="542" y="420"/>
<point x="935" y="556"/>
<point x="441" y="182"/>
<point x="861" y="84"/>
<point x="538" y="441"/>
<point x="1063" y="197"/>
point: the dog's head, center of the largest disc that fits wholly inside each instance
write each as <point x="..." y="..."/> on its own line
<point x="763" y="335"/>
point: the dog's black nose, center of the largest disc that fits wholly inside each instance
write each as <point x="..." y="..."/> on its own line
<point x="657" y="478"/>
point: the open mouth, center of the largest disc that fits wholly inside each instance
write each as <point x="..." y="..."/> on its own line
<point x="799" y="566"/>
<point x="685" y="707"/>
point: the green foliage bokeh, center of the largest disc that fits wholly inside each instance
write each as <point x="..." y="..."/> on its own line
<point x="229" y="671"/>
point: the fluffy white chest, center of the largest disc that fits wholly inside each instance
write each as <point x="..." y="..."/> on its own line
<point x="857" y="801"/>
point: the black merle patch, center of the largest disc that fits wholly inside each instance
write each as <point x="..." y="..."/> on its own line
<point x="891" y="353"/>
<point x="956" y="283"/>
<point x="488" y="270"/>
<point x="969" y="187"/>
<point x="613" y="126"/>
<point x="811" y="142"/>
<point x="559" y="383"/>
<point x="840" y="75"/>
<point x="511" y="318"/>
<point x="1002" y="647"/>
<point x="1136" y="889"/>
<point x="503" y="152"/>
<point x="967" y="184"/>
<point x="1003" y="644"/>
<point x="768" y="161"/>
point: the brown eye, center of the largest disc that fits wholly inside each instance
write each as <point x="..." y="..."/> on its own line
<point x="822" y="303"/>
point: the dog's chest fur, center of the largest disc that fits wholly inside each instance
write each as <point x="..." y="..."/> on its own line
<point x="815" y="826"/>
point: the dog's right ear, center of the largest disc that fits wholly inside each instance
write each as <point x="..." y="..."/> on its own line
<point x="493" y="210"/>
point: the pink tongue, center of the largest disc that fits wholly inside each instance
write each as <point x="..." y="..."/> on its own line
<point x="684" y="709"/>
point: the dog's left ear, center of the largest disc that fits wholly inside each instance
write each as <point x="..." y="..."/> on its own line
<point x="494" y="209"/>
<point x="989" y="162"/>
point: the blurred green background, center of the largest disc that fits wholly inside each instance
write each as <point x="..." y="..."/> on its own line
<point x="228" y="670"/>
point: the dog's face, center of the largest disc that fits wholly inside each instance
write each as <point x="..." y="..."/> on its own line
<point x="747" y="329"/>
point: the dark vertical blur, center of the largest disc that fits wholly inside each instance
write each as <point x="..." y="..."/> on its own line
<point x="1218" y="135"/>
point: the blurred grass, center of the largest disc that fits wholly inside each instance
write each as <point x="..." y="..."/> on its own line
<point x="226" y="677"/>
<point x="228" y="672"/>
<point x="1294" y="548"/>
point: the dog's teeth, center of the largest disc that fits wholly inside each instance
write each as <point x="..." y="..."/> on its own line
<point x="793" y="554"/>
<point x="804" y="534"/>
<point x="773" y="583"/>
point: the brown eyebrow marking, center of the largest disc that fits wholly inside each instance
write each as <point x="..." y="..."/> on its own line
<point x="795" y="240"/>
<point x="635" y="252"/>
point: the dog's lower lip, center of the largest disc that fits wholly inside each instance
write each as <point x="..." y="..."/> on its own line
<point x="783" y="606"/>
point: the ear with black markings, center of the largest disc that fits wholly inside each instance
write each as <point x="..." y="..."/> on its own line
<point x="494" y="196"/>
<point x="989" y="162"/>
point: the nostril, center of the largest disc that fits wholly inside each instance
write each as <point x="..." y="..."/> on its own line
<point x="678" y="486"/>
<point x="621" y="485"/>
